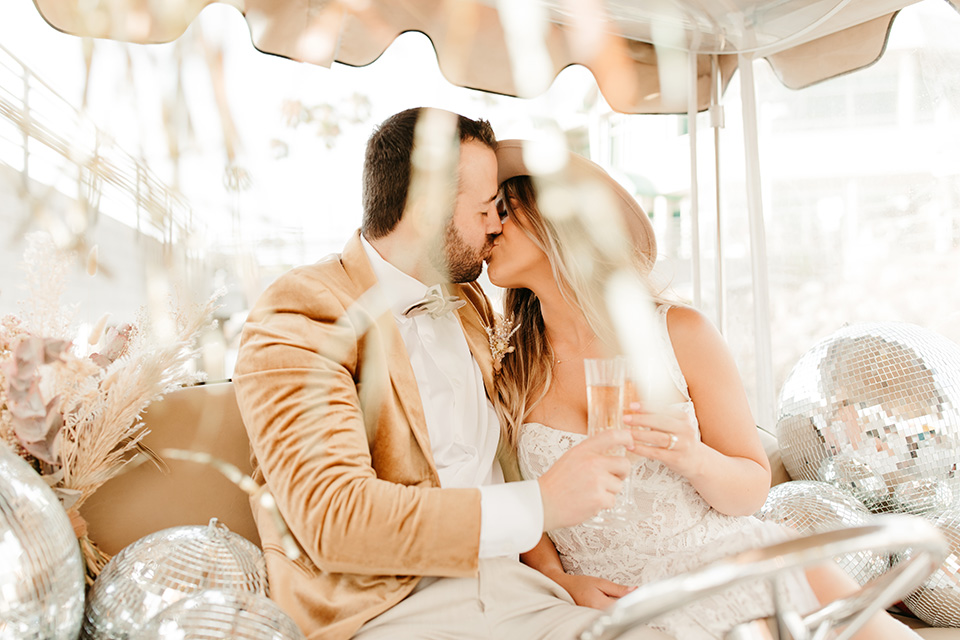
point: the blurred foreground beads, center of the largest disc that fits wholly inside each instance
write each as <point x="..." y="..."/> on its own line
<point x="815" y="507"/>
<point x="215" y="614"/>
<point x="41" y="569"/>
<point x="164" y="567"/>
<point x="937" y="602"/>
<point x="874" y="409"/>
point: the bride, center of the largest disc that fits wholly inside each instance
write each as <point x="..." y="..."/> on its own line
<point x="701" y="470"/>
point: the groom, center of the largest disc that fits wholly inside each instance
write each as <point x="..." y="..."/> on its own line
<point x="364" y="383"/>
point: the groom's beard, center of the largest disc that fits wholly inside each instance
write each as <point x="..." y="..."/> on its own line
<point x="457" y="259"/>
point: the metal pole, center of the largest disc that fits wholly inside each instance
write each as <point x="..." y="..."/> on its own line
<point x="758" y="246"/>
<point x="716" y="121"/>
<point x="692" y="106"/>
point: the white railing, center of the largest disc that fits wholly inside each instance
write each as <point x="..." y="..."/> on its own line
<point x="55" y="146"/>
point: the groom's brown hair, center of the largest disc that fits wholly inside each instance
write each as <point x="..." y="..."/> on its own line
<point x="386" y="167"/>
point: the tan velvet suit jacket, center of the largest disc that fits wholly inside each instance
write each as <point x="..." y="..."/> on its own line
<point x="335" y="421"/>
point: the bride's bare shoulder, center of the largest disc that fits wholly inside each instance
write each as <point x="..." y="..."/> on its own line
<point x="698" y="346"/>
<point x="686" y="323"/>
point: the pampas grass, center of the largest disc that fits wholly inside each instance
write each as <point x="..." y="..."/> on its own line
<point x="104" y="427"/>
<point x="93" y="402"/>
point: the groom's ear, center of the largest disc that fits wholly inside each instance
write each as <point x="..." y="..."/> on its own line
<point x="414" y="214"/>
<point x="417" y="225"/>
<point x="415" y="236"/>
<point x="434" y="171"/>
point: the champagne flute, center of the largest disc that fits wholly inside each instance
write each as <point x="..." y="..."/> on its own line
<point x="605" y="379"/>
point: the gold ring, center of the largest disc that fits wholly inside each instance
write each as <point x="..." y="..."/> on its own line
<point x="673" y="441"/>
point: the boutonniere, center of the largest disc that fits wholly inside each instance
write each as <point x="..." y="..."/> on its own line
<point x="500" y="334"/>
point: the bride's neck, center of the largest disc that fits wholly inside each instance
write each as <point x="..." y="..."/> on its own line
<point x="563" y="322"/>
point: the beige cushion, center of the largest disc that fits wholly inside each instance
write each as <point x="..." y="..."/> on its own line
<point x="778" y="473"/>
<point x="143" y="500"/>
<point x="935" y="633"/>
<point x="926" y="632"/>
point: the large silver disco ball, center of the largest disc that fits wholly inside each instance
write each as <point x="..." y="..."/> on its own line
<point x="41" y="569"/>
<point x="815" y="507"/>
<point x="937" y="602"/>
<point x="215" y="614"/>
<point x="159" y="569"/>
<point x="874" y="409"/>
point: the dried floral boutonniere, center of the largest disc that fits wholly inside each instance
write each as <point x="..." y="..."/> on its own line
<point x="500" y="334"/>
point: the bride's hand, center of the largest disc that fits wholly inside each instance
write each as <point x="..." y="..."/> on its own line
<point x="668" y="435"/>
<point x="588" y="591"/>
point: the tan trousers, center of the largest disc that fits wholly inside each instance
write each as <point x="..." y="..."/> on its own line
<point x="506" y="601"/>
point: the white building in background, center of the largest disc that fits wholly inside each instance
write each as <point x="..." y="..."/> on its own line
<point x="861" y="194"/>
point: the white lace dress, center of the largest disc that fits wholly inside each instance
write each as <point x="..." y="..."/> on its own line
<point x="673" y="531"/>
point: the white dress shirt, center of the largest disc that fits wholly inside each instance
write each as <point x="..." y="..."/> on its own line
<point x="462" y="424"/>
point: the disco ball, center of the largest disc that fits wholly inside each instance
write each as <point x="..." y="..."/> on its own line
<point x="159" y="569"/>
<point x="854" y="477"/>
<point x="883" y="400"/>
<point x="41" y="569"/>
<point x="215" y="614"/>
<point x="937" y="601"/>
<point x="923" y="495"/>
<point x="815" y="507"/>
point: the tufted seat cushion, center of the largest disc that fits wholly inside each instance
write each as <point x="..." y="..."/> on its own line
<point x="145" y="499"/>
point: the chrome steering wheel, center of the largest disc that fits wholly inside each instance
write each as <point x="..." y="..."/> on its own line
<point x="921" y="548"/>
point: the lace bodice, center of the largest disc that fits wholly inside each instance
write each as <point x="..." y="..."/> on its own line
<point x="668" y="515"/>
<point x="672" y="531"/>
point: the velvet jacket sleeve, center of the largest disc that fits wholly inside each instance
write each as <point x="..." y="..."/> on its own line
<point x="335" y="424"/>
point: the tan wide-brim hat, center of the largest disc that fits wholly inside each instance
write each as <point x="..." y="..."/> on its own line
<point x="581" y="170"/>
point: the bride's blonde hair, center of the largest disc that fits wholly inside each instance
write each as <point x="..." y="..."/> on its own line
<point x="581" y="266"/>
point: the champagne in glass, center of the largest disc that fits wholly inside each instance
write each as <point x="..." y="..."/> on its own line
<point x="605" y="406"/>
<point x="605" y="379"/>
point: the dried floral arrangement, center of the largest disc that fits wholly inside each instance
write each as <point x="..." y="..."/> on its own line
<point x="75" y="416"/>
<point x="499" y="335"/>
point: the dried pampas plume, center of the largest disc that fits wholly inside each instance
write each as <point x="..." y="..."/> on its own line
<point x="93" y="260"/>
<point x="92" y="405"/>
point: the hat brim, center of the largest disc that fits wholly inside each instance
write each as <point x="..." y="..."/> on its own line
<point x="510" y="164"/>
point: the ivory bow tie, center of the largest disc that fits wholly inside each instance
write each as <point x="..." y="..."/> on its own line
<point x="434" y="303"/>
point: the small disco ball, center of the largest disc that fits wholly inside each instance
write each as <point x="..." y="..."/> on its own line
<point x="41" y="569"/>
<point x="937" y="601"/>
<point x="854" y="477"/>
<point x="884" y="399"/>
<point x="815" y="507"/>
<point x="159" y="569"/>
<point x="215" y="614"/>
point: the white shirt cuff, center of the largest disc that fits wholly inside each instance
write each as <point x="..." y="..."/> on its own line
<point x="511" y="518"/>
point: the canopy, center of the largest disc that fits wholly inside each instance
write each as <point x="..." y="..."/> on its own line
<point x="517" y="47"/>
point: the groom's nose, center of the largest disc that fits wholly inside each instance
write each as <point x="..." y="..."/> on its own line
<point x="492" y="224"/>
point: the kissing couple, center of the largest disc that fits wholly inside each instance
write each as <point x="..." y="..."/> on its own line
<point x="438" y="490"/>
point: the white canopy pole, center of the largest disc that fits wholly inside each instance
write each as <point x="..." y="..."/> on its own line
<point x="716" y="121"/>
<point x="692" y="104"/>
<point x="758" y="246"/>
